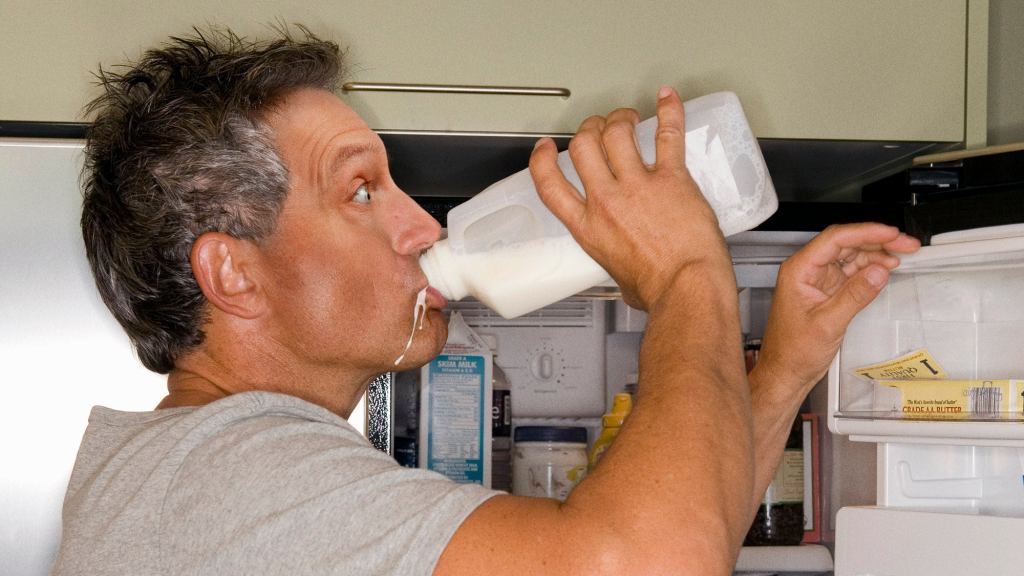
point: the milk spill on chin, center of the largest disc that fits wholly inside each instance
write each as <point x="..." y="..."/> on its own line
<point x="520" y="278"/>
<point x="419" y="311"/>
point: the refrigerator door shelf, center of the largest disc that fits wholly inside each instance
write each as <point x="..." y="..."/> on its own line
<point x="960" y="302"/>
<point x="985" y="480"/>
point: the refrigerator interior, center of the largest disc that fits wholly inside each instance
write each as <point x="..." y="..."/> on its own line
<point x="591" y="343"/>
<point x="959" y="466"/>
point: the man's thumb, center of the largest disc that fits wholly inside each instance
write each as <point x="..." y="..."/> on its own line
<point x="857" y="292"/>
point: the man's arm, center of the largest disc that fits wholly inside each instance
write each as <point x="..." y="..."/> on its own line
<point x="673" y="494"/>
<point x="819" y="291"/>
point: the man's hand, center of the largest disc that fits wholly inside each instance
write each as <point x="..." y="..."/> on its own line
<point x="643" y="224"/>
<point x="819" y="291"/>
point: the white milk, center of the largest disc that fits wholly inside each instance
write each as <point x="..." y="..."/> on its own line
<point x="418" y="312"/>
<point x="515" y="279"/>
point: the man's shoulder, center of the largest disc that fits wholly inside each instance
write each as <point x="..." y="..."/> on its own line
<point x="261" y="424"/>
<point x="212" y="417"/>
<point x="136" y="472"/>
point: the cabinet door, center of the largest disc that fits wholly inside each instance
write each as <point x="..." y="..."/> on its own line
<point x="876" y="70"/>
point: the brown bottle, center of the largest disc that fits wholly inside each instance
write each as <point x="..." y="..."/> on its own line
<point x="780" y="517"/>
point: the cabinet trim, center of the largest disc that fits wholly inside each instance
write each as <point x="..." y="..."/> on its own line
<point x="456" y="89"/>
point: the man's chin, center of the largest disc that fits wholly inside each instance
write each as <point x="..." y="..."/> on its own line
<point x="426" y="343"/>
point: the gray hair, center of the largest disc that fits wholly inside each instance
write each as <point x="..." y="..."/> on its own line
<point x="179" y="147"/>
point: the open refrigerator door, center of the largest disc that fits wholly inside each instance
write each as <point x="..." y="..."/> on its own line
<point x="930" y="372"/>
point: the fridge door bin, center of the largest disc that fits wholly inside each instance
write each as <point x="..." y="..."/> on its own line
<point x="962" y="303"/>
<point x="884" y="541"/>
<point x="987" y="480"/>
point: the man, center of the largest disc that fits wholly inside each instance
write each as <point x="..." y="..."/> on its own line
<point x="243" y="227"/>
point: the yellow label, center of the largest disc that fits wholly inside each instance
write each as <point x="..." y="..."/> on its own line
<point x="916" y="365"/>
<point x="953" y="398"/>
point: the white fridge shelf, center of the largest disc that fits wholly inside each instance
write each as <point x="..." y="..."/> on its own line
<point x="808" y="558"/>
<point x="886" y="427"/>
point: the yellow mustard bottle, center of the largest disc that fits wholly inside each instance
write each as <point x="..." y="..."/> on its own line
<point x="612" y="423"/>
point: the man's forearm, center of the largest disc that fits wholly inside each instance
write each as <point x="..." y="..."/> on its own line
<point x="773" y="410"/>
<point x="685" y="453"/>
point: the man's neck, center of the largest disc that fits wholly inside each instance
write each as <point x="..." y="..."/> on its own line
<point x="200" y="378"/>
<point x="188" y="389"/>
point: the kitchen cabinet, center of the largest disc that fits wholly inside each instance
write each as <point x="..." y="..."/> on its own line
<point x="910" y="70"/>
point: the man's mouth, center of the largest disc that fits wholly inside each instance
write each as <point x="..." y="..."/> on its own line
<point x="435" y="299"/>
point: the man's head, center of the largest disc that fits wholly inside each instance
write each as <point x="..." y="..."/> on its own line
<point x="182" y="147"/>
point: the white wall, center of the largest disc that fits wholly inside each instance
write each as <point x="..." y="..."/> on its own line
<point x="61" y="352"/>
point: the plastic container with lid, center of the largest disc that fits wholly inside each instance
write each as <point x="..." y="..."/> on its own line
<point x="549" y="461"/>
<point x="505" y="248"/>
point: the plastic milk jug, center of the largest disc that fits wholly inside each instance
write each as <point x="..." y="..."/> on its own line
<point x="506" y="249"/>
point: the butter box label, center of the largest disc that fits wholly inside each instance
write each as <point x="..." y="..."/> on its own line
<point x="953" y="398"/>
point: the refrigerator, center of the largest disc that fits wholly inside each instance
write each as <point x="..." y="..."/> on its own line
<point x="897" y="495"/>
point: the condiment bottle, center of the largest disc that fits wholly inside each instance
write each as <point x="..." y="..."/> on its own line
<point x="612" y="423"/>
<point x="506" y="249"/>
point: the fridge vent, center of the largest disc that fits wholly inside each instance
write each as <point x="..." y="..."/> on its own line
<point x="571" y="313"/>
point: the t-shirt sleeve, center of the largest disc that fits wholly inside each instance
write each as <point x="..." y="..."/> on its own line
<point x="283" y="495"/>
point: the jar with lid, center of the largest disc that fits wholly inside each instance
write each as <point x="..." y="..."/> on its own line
<point x="549" y="461"/>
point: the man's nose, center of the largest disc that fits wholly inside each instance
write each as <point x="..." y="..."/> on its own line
<point x="413" y="229"/>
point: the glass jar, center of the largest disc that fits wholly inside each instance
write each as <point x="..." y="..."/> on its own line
<point x="549" y="461"/>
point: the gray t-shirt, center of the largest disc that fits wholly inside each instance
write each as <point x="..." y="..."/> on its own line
<point x="256" y="483"/>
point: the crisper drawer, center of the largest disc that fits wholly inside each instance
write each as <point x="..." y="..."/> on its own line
<point x="964" y="304"/>
<point x="892" y="542"/>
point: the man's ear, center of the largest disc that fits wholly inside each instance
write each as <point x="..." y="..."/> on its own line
<point x="222" y="267"/>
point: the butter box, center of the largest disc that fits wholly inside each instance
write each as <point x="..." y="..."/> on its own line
<point x="956" y="398"/>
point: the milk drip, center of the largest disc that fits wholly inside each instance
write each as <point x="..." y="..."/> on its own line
<point x="506" y="249"/>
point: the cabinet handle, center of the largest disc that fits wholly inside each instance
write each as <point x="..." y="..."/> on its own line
<point x="455" y="89"/>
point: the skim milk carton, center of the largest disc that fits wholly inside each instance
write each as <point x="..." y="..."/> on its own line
<point x="455" y="407"/>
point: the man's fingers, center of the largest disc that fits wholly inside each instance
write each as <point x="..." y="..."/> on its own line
<point x="834" y="241"/>
<point x="586" y="150"/>
<point x="554" y="190"/>
<point x="857" y="292"/>
<point x="670" y="138"/>
<point x="620" y="143"/>
<point x="903" y="244"/>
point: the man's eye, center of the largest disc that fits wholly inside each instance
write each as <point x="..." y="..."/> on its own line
<point x="362" y="195"/>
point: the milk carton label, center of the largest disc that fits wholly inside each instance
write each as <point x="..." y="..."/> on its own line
<point x="456" y="437"/>
<point x="455" y="434"/>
